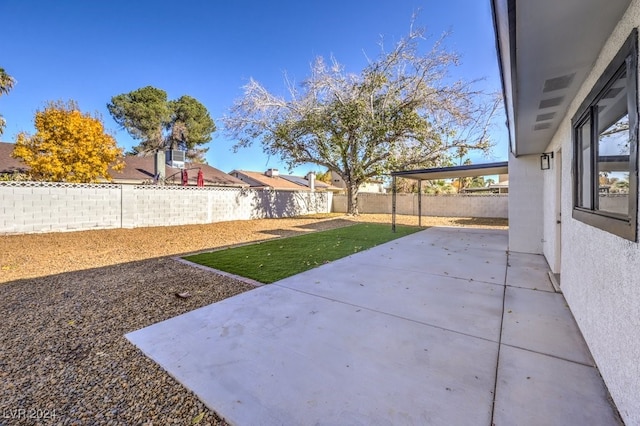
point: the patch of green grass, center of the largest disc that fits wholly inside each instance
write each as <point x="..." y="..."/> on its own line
<point x="273" y="260"/>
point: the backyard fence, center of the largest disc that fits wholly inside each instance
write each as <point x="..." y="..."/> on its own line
<point x="31" y="207"/>
<point x="459" y="205"/>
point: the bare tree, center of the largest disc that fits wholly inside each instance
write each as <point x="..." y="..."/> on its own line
<point x="401" y="111"/>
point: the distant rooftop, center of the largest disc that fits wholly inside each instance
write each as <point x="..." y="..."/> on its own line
<point x="137" y="170"/>
<point x="274" y="180"/>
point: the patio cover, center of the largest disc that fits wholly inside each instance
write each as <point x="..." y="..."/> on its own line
<point x="470" y="170"/>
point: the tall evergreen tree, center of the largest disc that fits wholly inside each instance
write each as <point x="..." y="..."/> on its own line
<point x="159" y="123"/>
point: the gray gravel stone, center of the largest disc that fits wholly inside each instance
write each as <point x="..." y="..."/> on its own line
<point x="62" y="345"/>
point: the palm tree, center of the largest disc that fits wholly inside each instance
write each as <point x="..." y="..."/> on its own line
<point x="6" y="82"/>
<point x="439" y="187"/>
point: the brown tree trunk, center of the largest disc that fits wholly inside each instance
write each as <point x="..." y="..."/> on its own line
<point x="352" y="198"/>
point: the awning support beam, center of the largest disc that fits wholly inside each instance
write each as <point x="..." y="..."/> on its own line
<point x="467" y="170"/>
<point x="419" y="202"/>
<point x="394" y="190"/>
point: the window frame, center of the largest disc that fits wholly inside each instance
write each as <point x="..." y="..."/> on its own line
<point x="622" y="225"/>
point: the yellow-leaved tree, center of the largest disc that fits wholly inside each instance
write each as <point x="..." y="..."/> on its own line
<point x="69" y="146"/>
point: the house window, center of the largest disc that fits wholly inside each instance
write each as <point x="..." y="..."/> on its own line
<point x="605" y="141"/>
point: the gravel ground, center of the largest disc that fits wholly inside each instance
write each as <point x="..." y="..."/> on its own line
<point x="68" y="299"/>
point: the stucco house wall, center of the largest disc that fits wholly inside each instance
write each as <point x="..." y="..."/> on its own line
<point x="600" y="272"/>
<point x="525" y="204"/>
<point x="551" y="208"/>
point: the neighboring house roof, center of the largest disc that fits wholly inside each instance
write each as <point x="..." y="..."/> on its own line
<point x="319" y="185"/>
<point x="279" y="182"/>
<point x="141" y="170"/>
<point x="367" y="186"/>
<point x="500" y="187"/>
<point x="137" y="170"/>
<point x="8" y="164"/>
<point x="260" y="180"/>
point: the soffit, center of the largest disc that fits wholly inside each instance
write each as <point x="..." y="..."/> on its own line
<point x="546" y="50"/>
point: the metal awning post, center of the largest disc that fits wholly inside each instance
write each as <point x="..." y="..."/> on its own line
<point x="467" y="170"/>
<point x="419" y="202"/>
<point x="393" y="203"/>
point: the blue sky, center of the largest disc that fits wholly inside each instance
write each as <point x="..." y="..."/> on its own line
<point x="90" y="51"/>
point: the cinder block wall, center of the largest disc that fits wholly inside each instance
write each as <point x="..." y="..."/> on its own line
<point x="492" y="205"/>
<point x="32" y="207"/>
<point x="54" y="207"/>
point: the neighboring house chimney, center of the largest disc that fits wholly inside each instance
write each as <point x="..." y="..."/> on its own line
<point x="272" y="173"/>
<point x="159" y="174"/>
<point x="311" y="177"/>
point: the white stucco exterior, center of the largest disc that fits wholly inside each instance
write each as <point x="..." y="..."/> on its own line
<point x="600" y="272"/>
<point x="554" y="210"/>
<point x="525" y="204"/>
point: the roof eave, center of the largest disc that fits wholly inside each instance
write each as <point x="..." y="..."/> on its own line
<point x="504" y="60"/>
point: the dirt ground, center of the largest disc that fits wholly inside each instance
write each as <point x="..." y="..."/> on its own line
<point x="68" y="299"/>
<point x="37" y="255"/>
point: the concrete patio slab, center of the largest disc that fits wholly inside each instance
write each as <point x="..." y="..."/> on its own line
<point x="529" y="271"/>
<point x="535" y="389"/>
<point x="542" y="322"/>
<point x="454" y="255"/>
<point x="421" y="330"/>
<point x="279" y="356"/>
<point x="469" y="307"/>
<point x="486" y="239"/>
